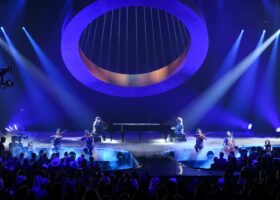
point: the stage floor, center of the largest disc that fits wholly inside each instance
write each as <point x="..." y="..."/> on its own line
<point x="152" y="152"/>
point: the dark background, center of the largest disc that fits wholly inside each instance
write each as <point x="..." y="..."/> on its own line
<point x="45" y="20"/>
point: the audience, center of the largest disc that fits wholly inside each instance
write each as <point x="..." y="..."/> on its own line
<point x="74" y="177"/>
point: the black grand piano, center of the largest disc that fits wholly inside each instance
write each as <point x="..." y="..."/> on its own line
<point x="138" y="127"/>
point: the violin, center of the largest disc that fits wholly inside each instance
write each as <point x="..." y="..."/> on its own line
<point x="200" y="136"/>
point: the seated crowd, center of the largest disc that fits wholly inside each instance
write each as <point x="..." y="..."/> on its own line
<point x="256" y="157"/>
<point x="70" y="177"/>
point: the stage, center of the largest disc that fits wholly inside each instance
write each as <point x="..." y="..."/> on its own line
<point x="151" y="154"/>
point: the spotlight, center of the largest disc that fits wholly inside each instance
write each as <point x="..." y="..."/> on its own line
<point x="23" y="28"/>
<point x="278" y="130"/>
<point x="250" y="126"/>
<point x="2" y="28"/>
<point x="7" y="129"/>
<point x="210" y="154"/>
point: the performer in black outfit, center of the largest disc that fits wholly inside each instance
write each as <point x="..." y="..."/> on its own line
<point x="89" y="140"/>
<point x="56" y="140"/>
<point x="200" y="137"/>
<point x="98" y="128"/>
<point x="2" y="147"/>
<point x="267" y="146"/>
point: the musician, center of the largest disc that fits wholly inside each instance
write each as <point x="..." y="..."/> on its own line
<point x="229" y="143"/>
<point x="200" y="137"/>
<point x="267" y="146"/>
<point x="89" y="140"/>
<point x="2" y="146"/>
<point x="178" y="129"/>
<point x="98" y="128"/>
<point x="56" y="140"/>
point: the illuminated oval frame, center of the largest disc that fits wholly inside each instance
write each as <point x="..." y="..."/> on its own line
<point x="194" y="58"/>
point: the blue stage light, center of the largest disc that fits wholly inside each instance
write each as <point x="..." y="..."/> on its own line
<point x="278" y="130"/>
<point x="7" y="129"/>
<point x="209" y="98"/>
<point x="250" y="126"/>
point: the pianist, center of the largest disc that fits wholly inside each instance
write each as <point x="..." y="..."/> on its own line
<point x="178" y="130"/>
<point x="98" y="128"/>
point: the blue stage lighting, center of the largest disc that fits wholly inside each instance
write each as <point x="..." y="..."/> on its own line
<point x="250" y="126"/>
<point x="7" y="129"/>
<point x="278" y="130"/>
<point x="2" y="28"/>
<point x="209" y="98"/>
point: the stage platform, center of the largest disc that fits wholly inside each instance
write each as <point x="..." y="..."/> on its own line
<point x="152" y="153"/>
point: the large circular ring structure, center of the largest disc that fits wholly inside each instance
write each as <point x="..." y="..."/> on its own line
<point x="131" y="85"/>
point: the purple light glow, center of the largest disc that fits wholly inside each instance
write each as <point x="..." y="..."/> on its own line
<point x="195" y="56"/>
<point x="229" y="119"/>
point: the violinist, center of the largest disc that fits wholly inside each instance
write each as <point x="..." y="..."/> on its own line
<point x="56" y="140"/>
<point x="200" y="137"/>
<point x="229" y="143"/>
<point x="267" y="146"/>
<point x="89" y="140"/>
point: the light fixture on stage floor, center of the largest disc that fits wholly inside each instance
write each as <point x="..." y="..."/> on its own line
<point x="278" y="130"/>
<point x="13" y="128"/>
<point x="250" y="126"/>
<point x="210" y="154"/>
